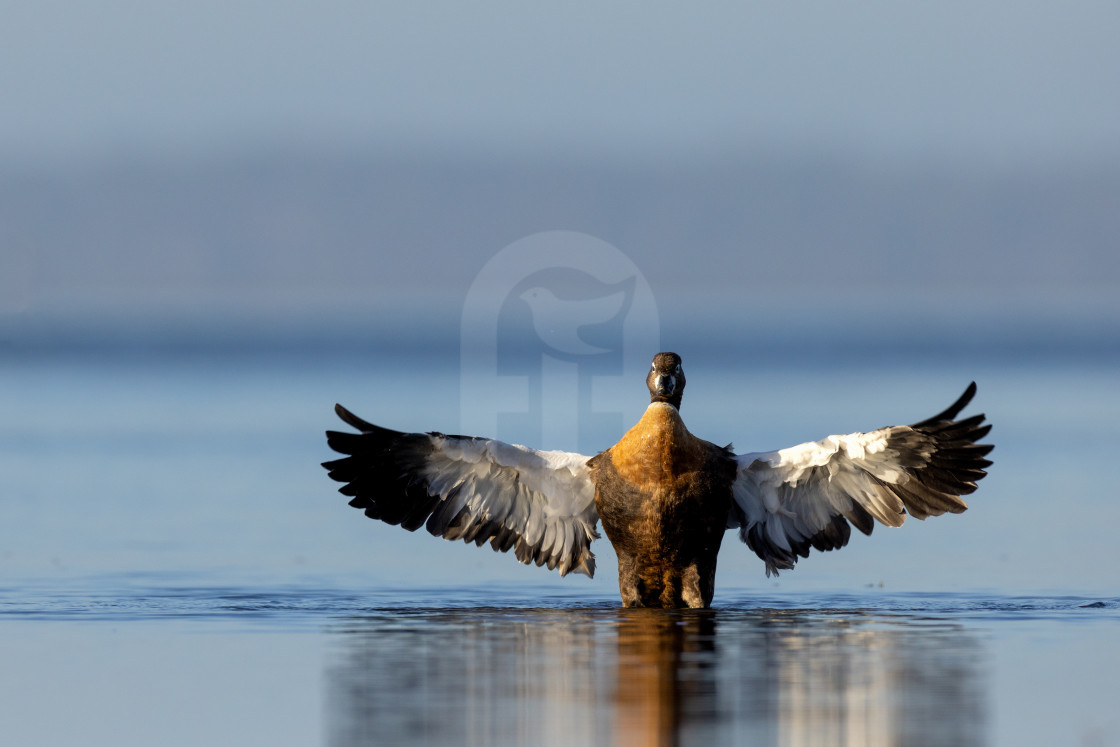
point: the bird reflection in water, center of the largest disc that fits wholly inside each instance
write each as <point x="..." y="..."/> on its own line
<point x="666" y="672"/>
<point x="655" y="677"/>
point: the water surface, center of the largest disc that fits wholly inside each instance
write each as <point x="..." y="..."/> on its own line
<point x="143" y="659"/>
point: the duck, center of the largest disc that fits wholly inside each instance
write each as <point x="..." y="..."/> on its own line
<point x="664" y="497"/>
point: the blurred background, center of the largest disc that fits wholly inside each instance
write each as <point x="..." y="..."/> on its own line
<point x="196" y="169"/>
<point x="216" y="219"/>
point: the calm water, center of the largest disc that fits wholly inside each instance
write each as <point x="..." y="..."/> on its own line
<point x="119" y="661"/>
<point x="177" y="569"/>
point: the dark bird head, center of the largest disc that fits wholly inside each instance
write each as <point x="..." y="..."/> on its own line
<point x="666" y="379"/>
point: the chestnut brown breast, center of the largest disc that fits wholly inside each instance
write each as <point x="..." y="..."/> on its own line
<point x="661" y="492"/>
<point x="657" y="452"/>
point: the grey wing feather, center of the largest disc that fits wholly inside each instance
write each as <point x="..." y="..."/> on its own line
<point x="540" y="504"/>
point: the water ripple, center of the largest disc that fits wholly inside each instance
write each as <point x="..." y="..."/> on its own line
<point x="296" y="606"/>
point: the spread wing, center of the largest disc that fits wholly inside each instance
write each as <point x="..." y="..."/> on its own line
<point x="789" y="500"/>
<point x="540" y="504"/>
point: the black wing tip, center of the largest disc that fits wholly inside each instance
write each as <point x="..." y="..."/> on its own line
<point x="950" y="413"/>
<point x="351" y="419"/>
<point x="954" y="409"/>
<point x="344" y="443"/>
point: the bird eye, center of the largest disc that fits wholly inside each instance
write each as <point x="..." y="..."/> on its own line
<point x="678" y="368"/>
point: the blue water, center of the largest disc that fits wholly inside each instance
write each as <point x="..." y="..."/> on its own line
<point x="154" y="660"/>
<point x="177" y="569"/>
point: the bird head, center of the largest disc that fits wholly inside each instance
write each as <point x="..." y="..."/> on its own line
<point x="666" y="379"/>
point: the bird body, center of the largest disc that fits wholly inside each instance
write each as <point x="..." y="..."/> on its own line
<point x="664" y="496"/>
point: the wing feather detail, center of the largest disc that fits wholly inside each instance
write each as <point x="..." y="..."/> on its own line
<point x="809" y="495"/>
<point x="540" y="504"/>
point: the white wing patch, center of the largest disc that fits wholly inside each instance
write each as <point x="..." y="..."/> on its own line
<point x="810" y="482"/>
<point x="869" y="448"/>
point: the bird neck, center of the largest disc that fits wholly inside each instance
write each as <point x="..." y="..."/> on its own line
<point x="674" y="400"/>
